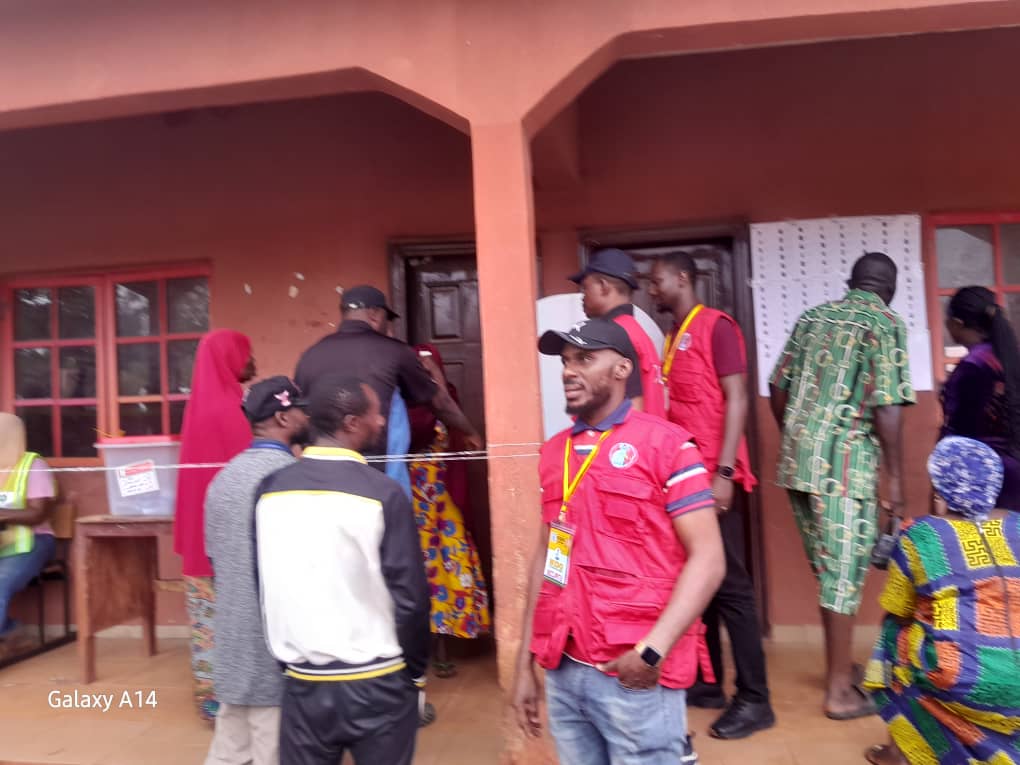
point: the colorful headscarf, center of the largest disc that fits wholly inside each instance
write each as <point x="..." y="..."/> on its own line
<point x="967" y="474"/>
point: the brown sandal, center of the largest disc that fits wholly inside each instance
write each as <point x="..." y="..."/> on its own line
<point x="865" y="709"/>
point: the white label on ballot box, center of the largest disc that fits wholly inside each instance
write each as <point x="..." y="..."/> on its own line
<point x="137" y="478"/>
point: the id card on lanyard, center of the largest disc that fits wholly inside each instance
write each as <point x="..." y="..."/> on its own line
<point x="561" y="533"/>
<point x="680" y="341"/>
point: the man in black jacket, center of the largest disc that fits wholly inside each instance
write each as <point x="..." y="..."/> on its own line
<point x="361" y="348"/>
<point x="344" y="596"/>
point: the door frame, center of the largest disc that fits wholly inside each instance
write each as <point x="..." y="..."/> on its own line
<point x="402" y="250"/>
<point x="739" y="232"/>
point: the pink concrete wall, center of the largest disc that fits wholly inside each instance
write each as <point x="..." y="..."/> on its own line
<point x="483" y="63"/>
<point x="315" y="187"/>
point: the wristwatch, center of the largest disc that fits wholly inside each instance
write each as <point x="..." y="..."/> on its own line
<point x="725" y="471"/>
<point x="648" y="655"/>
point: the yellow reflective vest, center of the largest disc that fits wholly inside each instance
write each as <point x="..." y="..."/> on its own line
<point x="17" y="539"/>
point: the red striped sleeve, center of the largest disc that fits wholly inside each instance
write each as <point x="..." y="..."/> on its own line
<point x="689" y="485"/>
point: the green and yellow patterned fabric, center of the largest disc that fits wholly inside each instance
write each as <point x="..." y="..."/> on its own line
<point x="842" y="360"/>
<point x="945" y="672"/>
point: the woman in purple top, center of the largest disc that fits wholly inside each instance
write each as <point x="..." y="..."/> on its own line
<point x="981" y="398"/>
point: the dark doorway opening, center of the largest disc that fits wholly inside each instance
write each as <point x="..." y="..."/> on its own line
<point x="722" y="256"/>
<point x="436" y="286"/>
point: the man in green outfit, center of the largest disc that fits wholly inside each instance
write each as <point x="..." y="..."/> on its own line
<point x="837" y="393"/>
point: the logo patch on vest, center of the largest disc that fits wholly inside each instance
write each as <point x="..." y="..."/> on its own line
<point x="623" y="456"/>
<point x="685" y="342"/>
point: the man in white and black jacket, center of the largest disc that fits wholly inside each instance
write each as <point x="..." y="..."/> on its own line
<point x="344" y="596"/>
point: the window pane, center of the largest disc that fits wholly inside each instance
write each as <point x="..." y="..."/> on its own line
<point x="181" y="359"/>
<point x="177" y="416"/>
<point x="138" y="369"/>
<point x="39" y="427"/>
<point x="78" y="431"/>
<point x="1009" y="241"/>
<point x="1013" y="309"/>
<point x="938" y="324"/>
<point x="965" y="256"/>
<point x="137" y="309"/>
<point x="32" y="373"/>
<point x="77" y="312"/>
<point x="32" y="314"/>
<point x="188" y="304"/>
<point x="78" y="372"/>
<point x="141" y="419"/>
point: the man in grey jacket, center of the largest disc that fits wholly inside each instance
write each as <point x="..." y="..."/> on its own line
<point x="248" y="681"/>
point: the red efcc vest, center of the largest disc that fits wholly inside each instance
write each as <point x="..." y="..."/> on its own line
<point x="652" y="389"/>
<point x="696" y="400"/>
<point x="625" y="557"/>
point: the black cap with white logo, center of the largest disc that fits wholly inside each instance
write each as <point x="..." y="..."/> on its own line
<point x="266" y="398"/>
<point x="593" y="335"/>
<point x="365" y="296"/>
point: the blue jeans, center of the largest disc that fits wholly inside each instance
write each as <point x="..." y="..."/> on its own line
<point x="16" y="571"/>
<point x="596" y="721"/>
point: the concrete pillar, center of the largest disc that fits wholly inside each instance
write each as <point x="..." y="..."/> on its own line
<point x="505" y="235"/>
<point x="560" y="260"/>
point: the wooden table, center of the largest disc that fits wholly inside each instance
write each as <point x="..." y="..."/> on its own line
<point x="115" y="576"/>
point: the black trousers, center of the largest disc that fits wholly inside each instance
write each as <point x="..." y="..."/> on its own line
<point x="375" y="719"/>
<point x="734" y="605"/>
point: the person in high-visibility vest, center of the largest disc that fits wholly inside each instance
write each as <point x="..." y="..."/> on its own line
<point x="26" y="539"/>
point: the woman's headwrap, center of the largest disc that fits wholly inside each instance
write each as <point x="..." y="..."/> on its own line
<point x="967" y="474"/>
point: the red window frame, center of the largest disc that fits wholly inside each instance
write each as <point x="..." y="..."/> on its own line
<point x="936" y="320"/>
<point x="106" y="344"/>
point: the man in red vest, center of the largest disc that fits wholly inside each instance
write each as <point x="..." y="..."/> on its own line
<point x="607" y="285"/>
<point x="629" y="554"/>
<point x="705" y="366"/>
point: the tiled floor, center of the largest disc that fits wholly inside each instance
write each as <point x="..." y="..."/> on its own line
<point x="470" y="710"/>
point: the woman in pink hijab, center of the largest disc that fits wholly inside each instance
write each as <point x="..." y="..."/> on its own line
<point x="215" y="430"/>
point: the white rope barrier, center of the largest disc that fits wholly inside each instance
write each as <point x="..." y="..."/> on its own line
<point x="477" y="456"/>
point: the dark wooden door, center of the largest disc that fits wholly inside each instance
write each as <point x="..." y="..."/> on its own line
<point x="724" y="283"/>
<point x="715" y="277"/>
<point x="442" y="309"/>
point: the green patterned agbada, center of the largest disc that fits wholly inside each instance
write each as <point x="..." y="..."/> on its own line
<point x="843" y="359"/>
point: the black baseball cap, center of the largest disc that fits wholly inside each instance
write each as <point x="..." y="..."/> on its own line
<point x="593" y="335"/>
<point x="366" y="296"/>
<point x="266" y="398"/>
<point x="611" y="262"/>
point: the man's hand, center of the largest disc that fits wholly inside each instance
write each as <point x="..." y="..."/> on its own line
<point x="722" y="493"/>
<point x="433" y="368"/>
<point x="473" y="443"/>
<point x="525" y="700"/>
<point x="631" y="671"/>
<point x="893" y="508"/>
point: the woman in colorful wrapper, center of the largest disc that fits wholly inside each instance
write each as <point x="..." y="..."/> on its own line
<point x="460" y="603"/>
<point x="215" y="430"/>
<point x="945" y="673"/>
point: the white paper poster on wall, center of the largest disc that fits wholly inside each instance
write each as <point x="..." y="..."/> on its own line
<point x="798" y="264"/>
<point x="561" y="312"/>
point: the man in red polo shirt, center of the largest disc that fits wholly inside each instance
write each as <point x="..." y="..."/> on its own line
<point x="706" y="376"/>
<point x="607" y="287"/>
<point x="629" y="555"/>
